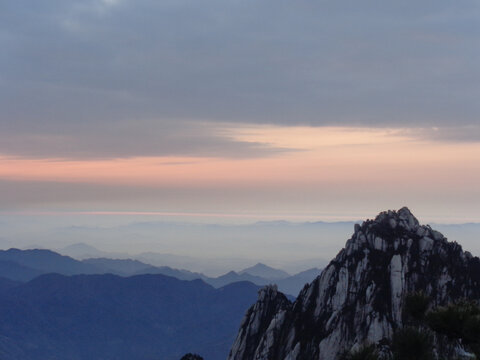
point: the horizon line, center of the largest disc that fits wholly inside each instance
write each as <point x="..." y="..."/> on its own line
<point x="323" y="218"/>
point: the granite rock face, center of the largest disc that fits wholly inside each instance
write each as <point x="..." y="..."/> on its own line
<point x="257" y="331"/>
<point x="359" y="296"/>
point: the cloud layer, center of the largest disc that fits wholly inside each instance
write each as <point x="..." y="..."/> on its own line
<point x="121" y="78"/>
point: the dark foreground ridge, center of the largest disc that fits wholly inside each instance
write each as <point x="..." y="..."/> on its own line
<point x="143" y="317"/>
<point x="359" y="298"/>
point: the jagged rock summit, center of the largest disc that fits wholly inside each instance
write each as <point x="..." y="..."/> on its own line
<point x="359" y="297"/>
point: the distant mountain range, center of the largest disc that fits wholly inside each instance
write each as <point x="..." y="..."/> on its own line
<point x="25" y="265"/>
<point x="175" y="244"/>
<point x="110" y="317"/>
<point x="264" y="271"/>
<point x="101" y="308"/>
<point x="224" y="247"/>
<point x="84" y="251"/>
<point x="122" y="308"/>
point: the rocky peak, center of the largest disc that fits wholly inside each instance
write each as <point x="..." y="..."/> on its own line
<point x="386" y="229"/>
<point x="262" y="318"/>
<point x="402" y="218"/>
<point x="359" y="296"/>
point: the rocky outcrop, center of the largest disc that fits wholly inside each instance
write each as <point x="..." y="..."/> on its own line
<point x="359" y="296"/>
<point x="258" y="330"/>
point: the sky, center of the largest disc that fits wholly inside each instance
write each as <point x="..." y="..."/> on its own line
<point x="240" y="110"/>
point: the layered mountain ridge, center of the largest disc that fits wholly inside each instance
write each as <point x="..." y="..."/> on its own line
<point x="25" y="265"/>
<point x="359" y="297"/>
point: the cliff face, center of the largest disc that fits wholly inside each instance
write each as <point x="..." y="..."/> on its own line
<point x="359" y="296"/>
<point x="257" y="331"/>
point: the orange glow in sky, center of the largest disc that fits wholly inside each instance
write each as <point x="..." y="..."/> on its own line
<point x="317" y="155"/>
<point x="318" y="169"/>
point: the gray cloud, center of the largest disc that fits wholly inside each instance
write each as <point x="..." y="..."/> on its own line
<point x="463" y="134"/>
<point x="84" y="71"/>
<point x="131" y="139"/>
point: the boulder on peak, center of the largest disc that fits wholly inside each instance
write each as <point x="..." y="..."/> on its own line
<point x="403" y="218"/>
<point x="392" y="231"/>
<point x="405" y="211"/>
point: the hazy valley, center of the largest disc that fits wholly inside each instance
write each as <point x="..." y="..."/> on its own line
<point x="115" y="308"/>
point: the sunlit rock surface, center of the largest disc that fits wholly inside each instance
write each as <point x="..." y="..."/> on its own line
<point x="359" y="296"/>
